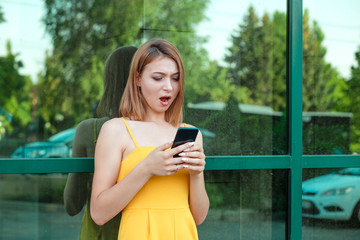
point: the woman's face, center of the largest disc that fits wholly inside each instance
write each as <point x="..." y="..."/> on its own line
<point x="159" y="83"/>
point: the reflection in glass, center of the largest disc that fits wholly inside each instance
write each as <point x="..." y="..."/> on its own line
<point x="234" y="54"/>
<point x="31" y="207"/>
<point x="57" y="146"/>
<point x="250" y="204"/>
<point x="331" y="200"/>
<point x="243" y="86"/>
<point x="330" y="77"/>
<point x="246" y="204"/>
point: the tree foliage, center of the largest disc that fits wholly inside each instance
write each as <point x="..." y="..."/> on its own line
<point x="317" y="73"/>
<point x="257" y="62"/>
<point x="256" y="58"/>
<point x="2" y="18"/>
<point x="226" y="124"/>
<point x="16" y="91"/>
<point x="84" y="33"/>
<point x="176" y="21"/>
<point x="353" y="92"/>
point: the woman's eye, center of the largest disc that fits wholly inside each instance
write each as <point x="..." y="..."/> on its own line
<point x="175" y="79"/>
<point x="157" y="78"/>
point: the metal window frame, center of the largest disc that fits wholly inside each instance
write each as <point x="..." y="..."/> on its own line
<point x="295" y="161"/>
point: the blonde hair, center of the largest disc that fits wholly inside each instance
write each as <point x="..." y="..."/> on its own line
<point x="132" y="103"/>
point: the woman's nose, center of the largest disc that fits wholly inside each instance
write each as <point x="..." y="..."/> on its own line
<point x="167" y="84"/>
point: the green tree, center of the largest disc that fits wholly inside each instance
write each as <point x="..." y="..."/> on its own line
<point x="257" y="63"/>
<point x="245" y="52"/>
<point x="16" y="91"/>
<point x="212" y="85"/>
<point x="226" y="125"/>
<point x="317" y="73"/>
<point x="176" y="21"/>
<point x="85" y="32"/>
<point x="2" y="19"/>
<point x="353" y="92"/>
<point x="257" y="59"/>
<point x="279" y="61"/>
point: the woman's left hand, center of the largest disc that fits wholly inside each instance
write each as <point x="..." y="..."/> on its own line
<point x="193" y="159"/>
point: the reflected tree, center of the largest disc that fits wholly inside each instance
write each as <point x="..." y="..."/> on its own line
<point x="16" y="93"/>
<point x="353" y="93"/>
<point x="85" y="32"/>
<point x="2" y="19"/>
<point x="226" y="124"/>
<point x="251" y="57"/>
<point x="317" y="73"/>
<point x="257" y="62"/>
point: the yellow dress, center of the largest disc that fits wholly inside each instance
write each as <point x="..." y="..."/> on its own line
<point x="160" y="210"/>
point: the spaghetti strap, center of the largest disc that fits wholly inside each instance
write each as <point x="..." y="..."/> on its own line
<point x="131" y="134"/>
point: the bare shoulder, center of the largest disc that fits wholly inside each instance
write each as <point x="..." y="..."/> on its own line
<point x="113" y="126"/>
<point x="114" y="131"/>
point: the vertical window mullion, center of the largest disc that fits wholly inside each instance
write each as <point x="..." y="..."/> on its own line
<point x="294" y="16"/>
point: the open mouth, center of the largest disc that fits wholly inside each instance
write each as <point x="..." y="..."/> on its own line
<point x="165" y="100"/>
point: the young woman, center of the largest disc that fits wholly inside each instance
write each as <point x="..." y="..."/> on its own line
<point x="78" y="185"/>
<point x="161" y="197"/>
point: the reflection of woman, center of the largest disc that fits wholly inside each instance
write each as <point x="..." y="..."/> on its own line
<point x="161" y="197"/>
<point x="78" y="186"/>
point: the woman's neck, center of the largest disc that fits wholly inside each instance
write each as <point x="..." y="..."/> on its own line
<point x="158" y="118"/>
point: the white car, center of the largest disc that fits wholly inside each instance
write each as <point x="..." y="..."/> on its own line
<point x="333" y="196"/>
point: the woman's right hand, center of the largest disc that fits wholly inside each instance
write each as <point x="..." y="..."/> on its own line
<point x="161" y="161"/>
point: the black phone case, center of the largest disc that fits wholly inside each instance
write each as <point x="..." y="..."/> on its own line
<point x="184" y="135"/>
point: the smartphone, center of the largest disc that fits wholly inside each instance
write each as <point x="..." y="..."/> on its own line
<point x="184" y="135"/>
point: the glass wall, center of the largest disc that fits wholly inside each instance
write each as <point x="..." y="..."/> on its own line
<point x="31" y="208"/>
<point x="235" y="60"/>
<point x="331" y="203"/>
<point x="330" y="196"/>
<point x="243" y="75"/>
<point x="234" y="56"/>
<point x="247" y="203"/>
<point x="330" y="74"/>
<point x="246" y="40"/>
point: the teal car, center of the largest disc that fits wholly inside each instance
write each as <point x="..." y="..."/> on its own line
<point x="57" y="146"/>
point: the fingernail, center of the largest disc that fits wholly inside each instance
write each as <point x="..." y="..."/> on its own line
<point x="185" y="159"/>
<point x="186" y="166"/>
<point x="186" y="150"/>
<point x="181" y="154"/>
<point x="191" y="144"/>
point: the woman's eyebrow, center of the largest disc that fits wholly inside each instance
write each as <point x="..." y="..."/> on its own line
<point x="162" y="73"/>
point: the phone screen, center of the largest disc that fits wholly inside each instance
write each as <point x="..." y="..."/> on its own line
<point x="184" y="135"/>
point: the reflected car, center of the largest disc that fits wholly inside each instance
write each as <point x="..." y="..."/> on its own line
<point x="57" y="146"/>
<point x="208" y="136"/>
<point x="335" y="196"/>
